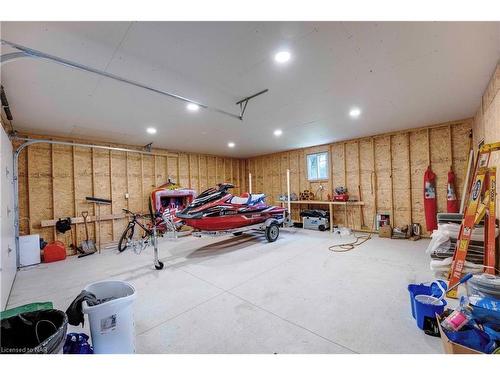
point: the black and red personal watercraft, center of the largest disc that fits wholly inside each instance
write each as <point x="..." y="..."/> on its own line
<point x="216" y="209"/>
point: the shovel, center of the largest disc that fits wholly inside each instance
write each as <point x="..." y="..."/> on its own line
<point x="88" y="246"/>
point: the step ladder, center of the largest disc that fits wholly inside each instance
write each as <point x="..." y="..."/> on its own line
<point x="481" y="205"/>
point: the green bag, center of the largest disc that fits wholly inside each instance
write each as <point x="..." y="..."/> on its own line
<point x="30" y="307"/>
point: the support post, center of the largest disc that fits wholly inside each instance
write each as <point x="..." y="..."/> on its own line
<point x="289" y="205"/>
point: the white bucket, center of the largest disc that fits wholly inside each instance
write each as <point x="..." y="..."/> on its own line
<point x="112" y="327"/>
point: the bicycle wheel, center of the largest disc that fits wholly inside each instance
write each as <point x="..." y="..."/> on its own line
<point x="127" y="235"/>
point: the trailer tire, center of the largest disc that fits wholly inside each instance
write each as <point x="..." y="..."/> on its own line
<point x="237" y="233"/>
<point x="159" y="266"/>
<point x="272" y="232"/>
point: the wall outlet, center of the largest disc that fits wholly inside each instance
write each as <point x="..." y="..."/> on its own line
<point x="126" y="195"/>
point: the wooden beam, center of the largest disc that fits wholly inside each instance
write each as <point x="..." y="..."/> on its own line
<point x="199" y="175"/>
<point x="52" y="179"/>
<point x="409" y="177"/>
<point x="428" y="148"/>
<point x="345" y="181"/>
<point x="155" y="182"/>
<point x="110" y="165"/>
<point x="392" y="182"/>
<point x="178" y="171"/>
<point x="450" y="142"/>
<point x="166" y="168"/>
<point x="75" y="206"/>
<point x="189" y="170"/>
<point x="79" y="219"/>
<point x="361" y="215"/>
<point x="142" y="183"/>
<point x="216" y="171"/>
<point x="127" y="180"/>
<point x="93" y="190"/>
<point x="374" y="166"/>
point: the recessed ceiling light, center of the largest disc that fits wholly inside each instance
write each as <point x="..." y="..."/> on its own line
<point x="151" y="130"/>
<point x="193" y="107"/>
<point x="231" y="144"/>
<point x="278" y="132"/>
<point x="355" y="112"/>
<point x="282" y="57"/>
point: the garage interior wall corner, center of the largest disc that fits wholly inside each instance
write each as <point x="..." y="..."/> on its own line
<point x="486" y="124"/>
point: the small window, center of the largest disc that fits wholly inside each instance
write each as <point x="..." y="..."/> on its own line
<point x="317" y="166"/>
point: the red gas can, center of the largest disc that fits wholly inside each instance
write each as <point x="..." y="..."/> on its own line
<point x="54" y="252"/>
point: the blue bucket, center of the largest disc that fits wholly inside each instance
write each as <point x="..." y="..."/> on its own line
<point x="434" y="289"/>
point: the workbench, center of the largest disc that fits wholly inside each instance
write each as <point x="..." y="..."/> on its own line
<point x="330" y="205"/>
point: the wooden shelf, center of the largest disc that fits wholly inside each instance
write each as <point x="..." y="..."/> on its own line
<point x="330" y="204"/>
<point x="353" y="203"/>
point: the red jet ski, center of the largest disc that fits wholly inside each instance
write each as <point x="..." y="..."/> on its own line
<point x="216" y="209"/>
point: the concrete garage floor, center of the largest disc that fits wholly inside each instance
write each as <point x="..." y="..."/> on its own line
<point x="244" y="295"/>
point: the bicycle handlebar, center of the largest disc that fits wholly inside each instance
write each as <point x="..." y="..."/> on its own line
<point x="128" y="212"/>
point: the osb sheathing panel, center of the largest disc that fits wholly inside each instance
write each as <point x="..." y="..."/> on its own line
<point x="160" y="170"/>
<point x="148" y="182"/>
<point x="102" y="189"/>
<point x="24" y="219"/>
<point x="389" y="171"/>
<point x="40" y="188"/>
<point x="401" y="179"/>
<point x="367" y="180"/>
<point x="183" y="170"/>
<point x="55" y="179"/>
<point x="384" y="174"/>
<point x="419" y="163"/>
<point x="119" y="188"/>
<point x="440" y="162"/>
<point x="460" y="152"/>
<point x="204" y="172"/>
<point x="487" y="122"/>
<point x="172" y="168"/>
<point x="83" y="188"/>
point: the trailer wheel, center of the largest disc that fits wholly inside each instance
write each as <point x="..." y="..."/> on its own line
<point x="237" y="233"/>
<point x="272" y="232"/>
<point x="159" y="266"/>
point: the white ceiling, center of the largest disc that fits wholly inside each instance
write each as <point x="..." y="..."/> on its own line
<point x="401" y="75"/>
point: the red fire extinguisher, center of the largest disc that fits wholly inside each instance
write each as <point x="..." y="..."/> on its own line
<point x="451" y="196"/>
<point x="430" y="202"/>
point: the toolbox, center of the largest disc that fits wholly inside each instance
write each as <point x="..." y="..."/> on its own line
<point x="315" y="223"/>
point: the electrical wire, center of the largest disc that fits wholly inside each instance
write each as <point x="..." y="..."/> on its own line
<point x="348" y="246"/>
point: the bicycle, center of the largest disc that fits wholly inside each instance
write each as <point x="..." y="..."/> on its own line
<point x="159" y="225"/>
<point x="127" y="240"/>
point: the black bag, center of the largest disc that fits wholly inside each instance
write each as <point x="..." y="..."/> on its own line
<point x="63" y="225"/>
<point x="37" y="332"/>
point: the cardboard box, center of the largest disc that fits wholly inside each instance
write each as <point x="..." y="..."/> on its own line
<point x="385" y="231"/>
<point x="451" y="347"/>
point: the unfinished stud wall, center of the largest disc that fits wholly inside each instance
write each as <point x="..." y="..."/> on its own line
<point x="387" y="169"/>
<point x="487" y="122"/>
<point x="55" y="179"/>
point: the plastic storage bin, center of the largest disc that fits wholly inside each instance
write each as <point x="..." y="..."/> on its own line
<point x="112" y="327"/>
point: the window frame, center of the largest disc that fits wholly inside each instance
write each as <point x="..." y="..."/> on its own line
<point x="327" y="166"/>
